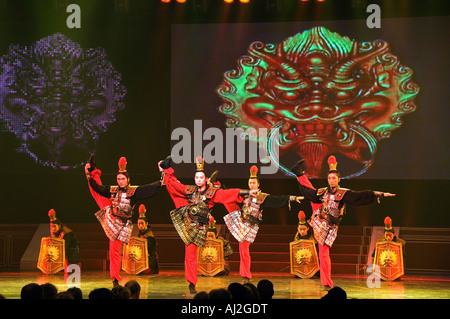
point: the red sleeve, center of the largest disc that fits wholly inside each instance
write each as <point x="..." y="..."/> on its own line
<point x="226" y="196"/>
<point x="303" y="180"/>
<point x="100" y="200"/>
<point x="176" y="189"/>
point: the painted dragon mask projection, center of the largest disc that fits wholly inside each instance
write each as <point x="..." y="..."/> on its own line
<point x="324" y="93"/>
<point x="57" y="97"/>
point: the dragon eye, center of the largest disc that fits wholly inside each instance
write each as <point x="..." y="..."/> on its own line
<point x="343" y="95"/>
<point x="290" y="95"/>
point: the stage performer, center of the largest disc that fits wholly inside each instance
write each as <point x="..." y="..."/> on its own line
<point x="304" y="231"/>
<point x="330" y="205"/>
<point x="116" y="213"/>
<point x="389" y="234"/>
<point x="145" y="232"/>
<point x="244" y="223"/>
<point x="193" y="204"/>
<point x="72" y="245"/>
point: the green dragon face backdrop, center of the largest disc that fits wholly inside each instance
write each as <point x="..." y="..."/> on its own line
<point x="326" y="93"/>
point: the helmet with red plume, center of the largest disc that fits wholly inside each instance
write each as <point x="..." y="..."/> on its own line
<point x="52" y="217"/>
<point x="301" y="218"/>
<point x="388" y="225"/>
<point x="142" y="211"/>
<point x="254" y="173"/>
<point x="123" y="167"/>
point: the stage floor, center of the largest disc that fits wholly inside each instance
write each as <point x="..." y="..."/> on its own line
<point x="171" y="284"/>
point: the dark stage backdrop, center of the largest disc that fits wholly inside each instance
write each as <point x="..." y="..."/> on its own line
<point x="124" y="81"/>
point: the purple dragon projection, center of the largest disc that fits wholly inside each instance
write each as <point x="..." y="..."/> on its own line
<point x="56" y="98"/>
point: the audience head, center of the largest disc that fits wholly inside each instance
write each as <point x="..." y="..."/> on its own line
<point x="336" y="293"/>
<point x="76" y="292"/>
<point x="201" y="295"/>
<point x="121" y="292"/>
<point x="49" y="291"/>
<point x="101" y="293"/>
<point x="135" y="289"/>
<point x="31" y="291"/>
<point x="253" y="289"/>
<point x="64" y="295"/>
<point x="239" y="291"/>
<point x="265" y="289"/>
<point x="220" y="293"/>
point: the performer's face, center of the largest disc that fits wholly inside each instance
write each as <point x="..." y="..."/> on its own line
<point x="200" y="179"/>
<point x="388" y="236"/>
<point x="122" y="180"/>
<point x="253" y="184"/>
<point x="142" y="225"/>
<point x="302" y="230"/>
<point x="53" y="228"/>
<point x="333" y="180"/>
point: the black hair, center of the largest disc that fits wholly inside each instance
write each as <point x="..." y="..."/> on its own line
<point x="334" y="172"/>
<point x="124" y="173"/>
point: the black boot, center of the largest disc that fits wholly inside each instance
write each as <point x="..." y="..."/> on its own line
<point x="299" y="168"/>
<point x="92" y="163"/>
<point x="167" y="162"/>
<point x="192" y="289"/>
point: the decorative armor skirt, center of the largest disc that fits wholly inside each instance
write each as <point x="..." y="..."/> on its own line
<point x="115" y="228"/>
<point x="189" y="231"/>
<point x="240" y="228"/>
<point x="324" y="232"/>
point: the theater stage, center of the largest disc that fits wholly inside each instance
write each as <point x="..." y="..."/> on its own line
<point x="170" y="284"/>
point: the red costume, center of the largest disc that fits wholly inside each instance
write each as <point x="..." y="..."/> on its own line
<point x="243" y="223"/>
<point x="328" y="208"/>
<point x="192" y="213"/>
<point x="116" y="209"/>
<point x="324" y="250"/>
<point x="72" y="245"/>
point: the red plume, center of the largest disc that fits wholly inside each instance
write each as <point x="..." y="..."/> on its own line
<point x="254" y="171"/>
<point x="388" y="221"/>
<point x="122" y="164"/>
<point x="301" y="215"/>
<point x="332" y="163"/>
<point x="331" y="159"/>
<point x="211" y="219"/>
<point x="51" y="214"/>
<point x="142" y="211"/>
